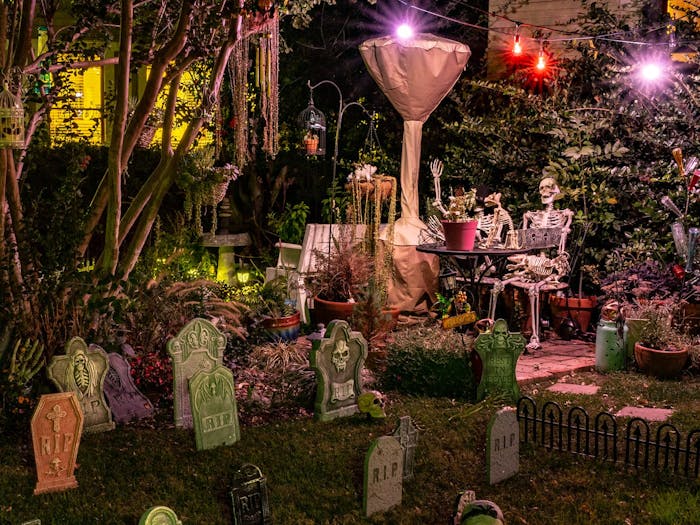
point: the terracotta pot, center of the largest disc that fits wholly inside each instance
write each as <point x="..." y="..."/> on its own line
<point x="367" y="188"/>
<point x="311" y="146"/>
<point x="581" y="309"/>
<point x="283" y="328"/>
<point x="326" y="311"/>
<point x="459" y="235"/>
<point x="660" y="363"/>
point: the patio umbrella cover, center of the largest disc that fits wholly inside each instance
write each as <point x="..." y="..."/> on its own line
<point x="415" y="75"/>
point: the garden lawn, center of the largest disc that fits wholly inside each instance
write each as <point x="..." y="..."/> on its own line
<point x="314" y="470"/>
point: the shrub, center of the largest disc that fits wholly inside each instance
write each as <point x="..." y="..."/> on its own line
<point x="431" y="362"/>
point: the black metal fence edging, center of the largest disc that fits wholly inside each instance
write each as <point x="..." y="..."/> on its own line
<point x="573" y="433"/>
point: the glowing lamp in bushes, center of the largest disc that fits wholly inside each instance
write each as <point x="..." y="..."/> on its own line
<point x="242" y="275"/>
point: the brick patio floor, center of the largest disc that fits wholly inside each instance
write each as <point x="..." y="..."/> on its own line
<point x="556" y="358"/>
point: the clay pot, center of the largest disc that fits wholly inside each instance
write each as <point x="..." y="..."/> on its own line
<point x="581" y="309"/>
<point x="311" y="146"/>
<point x="662" y="364"/>
<point x="326" y="311"/>
<point x="283" y="328"/>
<point x="459" y="235"/>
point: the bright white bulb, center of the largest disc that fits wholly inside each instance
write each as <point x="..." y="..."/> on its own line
<point x="404" y="31"/>
<point x="651" y="72"/>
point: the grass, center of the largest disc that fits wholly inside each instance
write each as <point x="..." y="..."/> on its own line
<point x="314" y="470"/>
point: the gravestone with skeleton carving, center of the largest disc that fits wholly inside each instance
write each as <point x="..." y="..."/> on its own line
<point x="338" y="359"/>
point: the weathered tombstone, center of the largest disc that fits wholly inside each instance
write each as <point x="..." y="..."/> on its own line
<point x="125" y="400"/>
<point x="383" y="482"/>
<point x="159" y="515"/>
<point x="83" y="371"/>
<point x="214" y="412"/>
<point x="249" y="497"/>
<point x="338" y="359"/>
<point x="198" y="346"/>
<point x="503" y="445"/>
<point x="57" y="424"/>
<point x="499" y="350"/>
<point x="407" y="434"/>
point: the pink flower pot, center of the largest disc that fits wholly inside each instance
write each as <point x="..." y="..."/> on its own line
<point x="459" y="235"/>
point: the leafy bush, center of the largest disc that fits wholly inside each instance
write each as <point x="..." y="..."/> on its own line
<point x="431" y="362"/>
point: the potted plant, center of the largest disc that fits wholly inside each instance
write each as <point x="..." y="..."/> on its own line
<point x="661" y="349"/>
<point x="459" y="223"/>
<point x="338" y="280"/>
<point x="279" y="316"/>
<point x="311" y="143"/>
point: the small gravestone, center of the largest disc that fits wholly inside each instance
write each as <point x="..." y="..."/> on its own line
<point x="82" y="370"/>
<point x="503" y="445"/>
<point x="159" y="516"/>
<point x="198" y="346"/>
<point x="214" y="412"/>
<point x="383" y="483"/>
<point x="407" y="434"/>
<point x="125" y="400"/>
<point x="499" y="350"/>
<point x="249" y="497"/>
<point x="57" y="424"/>
<point x="338" y="359"/>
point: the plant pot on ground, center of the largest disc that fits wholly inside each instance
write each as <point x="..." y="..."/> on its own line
<point x="278" y="313"/>
<point x="661" y="349"/>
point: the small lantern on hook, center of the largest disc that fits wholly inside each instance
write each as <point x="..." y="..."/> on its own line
<point x="313" y="124"/>
<point x="11" y="120"/>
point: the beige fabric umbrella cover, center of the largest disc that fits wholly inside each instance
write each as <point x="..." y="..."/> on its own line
<point x="415" y="75"/>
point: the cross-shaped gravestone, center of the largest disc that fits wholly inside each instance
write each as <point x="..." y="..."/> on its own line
<point x="57" y="424"/>
<point x="249" y="497"/>
<point x="159" y="516"/>
<point x="503" y="445"/>
<point x="407" y="434"/>
<point x="383" y="481"/>
<point x="125" y="400"/>
<point x="198" y="346"/>
<point x="214" y="412"/>
<point x="338" y="359"/>
<point x="499" y="350"/>
<point x="82" y="370"/>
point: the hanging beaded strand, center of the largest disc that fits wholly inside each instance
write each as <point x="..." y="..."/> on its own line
<point x="238" y="72"/>
<point x="269" y="85"/>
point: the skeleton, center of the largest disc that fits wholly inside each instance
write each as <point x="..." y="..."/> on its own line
<point x="340" y="356"/>
<point x="535" y="271"/>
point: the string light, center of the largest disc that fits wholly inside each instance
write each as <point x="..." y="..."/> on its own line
<point x="404" y="32"/>
<point x="541" y="64"/>
<point x="517" y="46"/>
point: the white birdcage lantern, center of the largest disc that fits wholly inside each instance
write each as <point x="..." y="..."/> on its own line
<point x="313" y="124"/>
<point x="11" y="120"/>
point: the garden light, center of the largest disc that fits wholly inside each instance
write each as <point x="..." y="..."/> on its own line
<point x="517" y="46"/>
<point x="651" y="72"/>
<point x="541" y="64"/>
<point x="404" y="32"/>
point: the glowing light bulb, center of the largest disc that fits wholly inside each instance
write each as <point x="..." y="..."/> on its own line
<point x="517" y="46"/>
<point x="541" y="62"/>
<point x="404" y="31"/>
<point x="651" y="72"/>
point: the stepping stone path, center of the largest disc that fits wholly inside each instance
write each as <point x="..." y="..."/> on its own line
<point x="649" y="414"/>
<point x="570" y="388"/>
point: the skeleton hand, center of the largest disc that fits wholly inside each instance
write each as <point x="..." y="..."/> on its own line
<point x="436" y="168"/>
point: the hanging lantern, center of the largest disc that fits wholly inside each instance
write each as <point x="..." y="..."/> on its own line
<point x="11" y="120"/>
<point x="313" y="124"/>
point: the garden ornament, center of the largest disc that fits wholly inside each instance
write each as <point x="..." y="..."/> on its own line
<point x="436" y="170"/>
<point x="370" y="403"/>
<point x="340" y="355"/>
<point x="492" y="224"/>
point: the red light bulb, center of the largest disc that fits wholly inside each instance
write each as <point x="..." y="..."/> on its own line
<point x="517" y="47"/>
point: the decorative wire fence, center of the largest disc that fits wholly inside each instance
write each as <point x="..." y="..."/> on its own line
<point x="601" y="437"/>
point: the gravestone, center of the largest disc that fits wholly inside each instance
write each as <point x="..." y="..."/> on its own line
<point x="82" y="370"/>
<point x="407" y="434"/>
<point x="198" y="346"/>
<point x="57" y="424"/>
<point x="338" y="358"/>
<point x="32" y="522"/>
<point x="503" y="445"/>
<point x="383" y="481"/>
<point x="499" y="350"/>
<point x="125" y="400"/>
<point x="159" y="516"/>
<point x="214" y="412"/>
<point x="249" y="497"/>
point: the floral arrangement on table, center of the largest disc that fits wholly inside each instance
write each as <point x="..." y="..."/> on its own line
<point x="462" y="206"/>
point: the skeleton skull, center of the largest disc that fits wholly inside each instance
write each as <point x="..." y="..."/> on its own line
<point x="340" y="355"/>
<point x="500" y="333"/>
<point x="548" y="190"/>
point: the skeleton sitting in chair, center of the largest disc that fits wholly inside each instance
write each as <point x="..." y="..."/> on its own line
<point x="541" y="229"/>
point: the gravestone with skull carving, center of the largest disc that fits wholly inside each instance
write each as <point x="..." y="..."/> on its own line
<point x="499" y="350"/>
<point x="338" y="358"/>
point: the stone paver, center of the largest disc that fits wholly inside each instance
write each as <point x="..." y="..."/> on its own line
<point x="556" y="357"/>
<point x="650" y="414"/>
<point x="570" y="388"/>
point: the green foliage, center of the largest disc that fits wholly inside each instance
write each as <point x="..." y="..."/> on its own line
<point x="670" y="508"/>
<point x="291" y="223"/>
<point x="432" y="364"/>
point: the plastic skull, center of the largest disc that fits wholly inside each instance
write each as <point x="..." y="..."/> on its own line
<point x="548" y="190"/>
<point x="340" y="355"/>
<point x="500" y="333"/>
